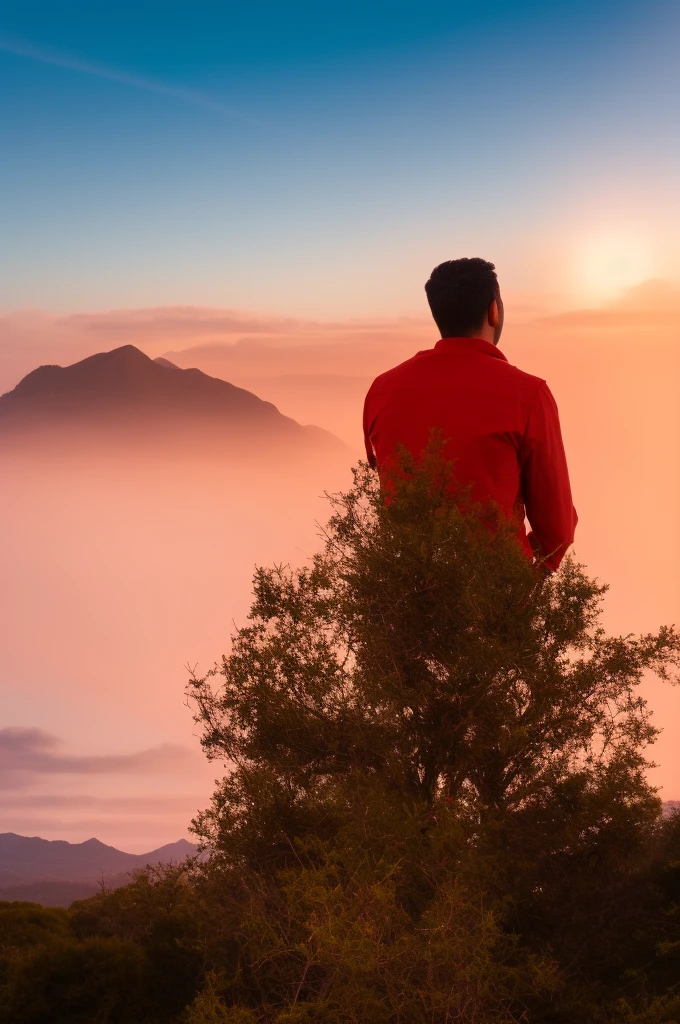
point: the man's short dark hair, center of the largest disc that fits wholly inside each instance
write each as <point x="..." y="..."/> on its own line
<point x="459" y="293"/>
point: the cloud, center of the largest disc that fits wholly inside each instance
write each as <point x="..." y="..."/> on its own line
<point x="219" y="341"/>
<point x="195" y="325"/>
<point x="31" y="52"/>
<point x="135" y="801"/>
<point x="315" y="370"/>
<point x="129" y="806"/>
<point x="243" y="345"/>
<point x="651" y="305"/>
<point x="28" y="753"/>
<point x="184" y="322"/>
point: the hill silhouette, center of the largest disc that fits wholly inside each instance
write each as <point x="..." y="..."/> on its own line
<point x="124" y="394"/>
<point x="55" y="872"/>
<point x="30" y="857"/>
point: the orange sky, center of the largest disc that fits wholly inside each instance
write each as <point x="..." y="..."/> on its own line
<point x="112" y="596"/>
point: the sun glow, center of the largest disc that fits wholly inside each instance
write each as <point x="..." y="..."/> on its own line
<point x="608" y="263"/>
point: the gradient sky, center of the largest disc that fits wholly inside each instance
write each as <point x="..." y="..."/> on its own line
<point x="261" y="190"/>
<point x="319" y="159"/>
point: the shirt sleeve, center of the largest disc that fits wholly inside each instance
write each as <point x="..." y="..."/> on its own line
<point x="370" y="454"/>
<point x="545" y="480"/>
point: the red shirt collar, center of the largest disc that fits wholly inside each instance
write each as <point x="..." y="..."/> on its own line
<point x="469" y="345"/>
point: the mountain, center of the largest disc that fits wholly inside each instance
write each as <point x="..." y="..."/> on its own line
<point x="124" y="394"/>
<point x="23" y="858"/>
<point x="55" y="873"/>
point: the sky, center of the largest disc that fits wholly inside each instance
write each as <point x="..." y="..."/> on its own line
<point x="316" y="159"/>
<point x="260" y="191"/>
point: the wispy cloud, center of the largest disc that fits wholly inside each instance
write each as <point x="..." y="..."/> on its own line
<point x="155" y="804"/>
<point x="135" y="801"/>
<point x="651" y="305"/>
<point x="26" y="753"/>
<point x="134" y="81"/>
<point x="232" y="342"/>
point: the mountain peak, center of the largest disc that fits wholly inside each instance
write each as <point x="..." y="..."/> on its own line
<point x="127" y="394"/>
<point x="128" y="355"/>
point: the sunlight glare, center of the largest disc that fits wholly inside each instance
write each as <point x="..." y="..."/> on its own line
<point x="609" y="263"/>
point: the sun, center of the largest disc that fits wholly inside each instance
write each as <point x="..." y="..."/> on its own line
<point x="610" y="262"/>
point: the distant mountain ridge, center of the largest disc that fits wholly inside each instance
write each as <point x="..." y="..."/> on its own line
<point x="25" y="858"/>
<point x="125" y="390"/>
<point x="55" y="872"/>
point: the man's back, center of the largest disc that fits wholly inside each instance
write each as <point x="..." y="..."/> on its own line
<point x="500" y="426"/>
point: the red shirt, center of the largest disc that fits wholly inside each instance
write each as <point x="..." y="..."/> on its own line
<point x="500" y="425"/>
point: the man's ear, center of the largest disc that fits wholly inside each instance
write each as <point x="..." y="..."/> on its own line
<point x="493" y="315"/>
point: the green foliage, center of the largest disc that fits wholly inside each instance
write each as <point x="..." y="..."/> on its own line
<point x="158" y="912"/>
<point x="24" y="926"/>
<point x="208" y="1007"/>
<point x="27" y="924"/>
<point x="434" y="750"/>
<point x="68" y="982"/>
<point x="424" y="647"/>
<point x="129" y="956"/>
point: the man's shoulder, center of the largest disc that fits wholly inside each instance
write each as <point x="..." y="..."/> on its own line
<point x="403" y="371"/>
<point x="504" y="372"/>
<point x="527" y="381"/>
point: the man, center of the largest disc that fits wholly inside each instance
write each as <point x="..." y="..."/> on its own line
<point x="500" y="425"/>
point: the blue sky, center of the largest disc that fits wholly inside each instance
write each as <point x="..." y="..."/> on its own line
<point x="318" y="160"/>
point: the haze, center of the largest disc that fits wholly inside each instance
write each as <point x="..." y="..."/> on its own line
<point x="122" y="568"/>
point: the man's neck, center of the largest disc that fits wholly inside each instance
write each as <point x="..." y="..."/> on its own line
<point x="486" y="332"/>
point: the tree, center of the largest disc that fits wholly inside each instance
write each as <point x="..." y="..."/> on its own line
<point x="432" y="749"/>
<point x="127" y="956"/>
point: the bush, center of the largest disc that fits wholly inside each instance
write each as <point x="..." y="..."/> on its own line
<point x="69" y="982"/>
<point x="434" y="749"/>
<point x="128" y="955"/>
